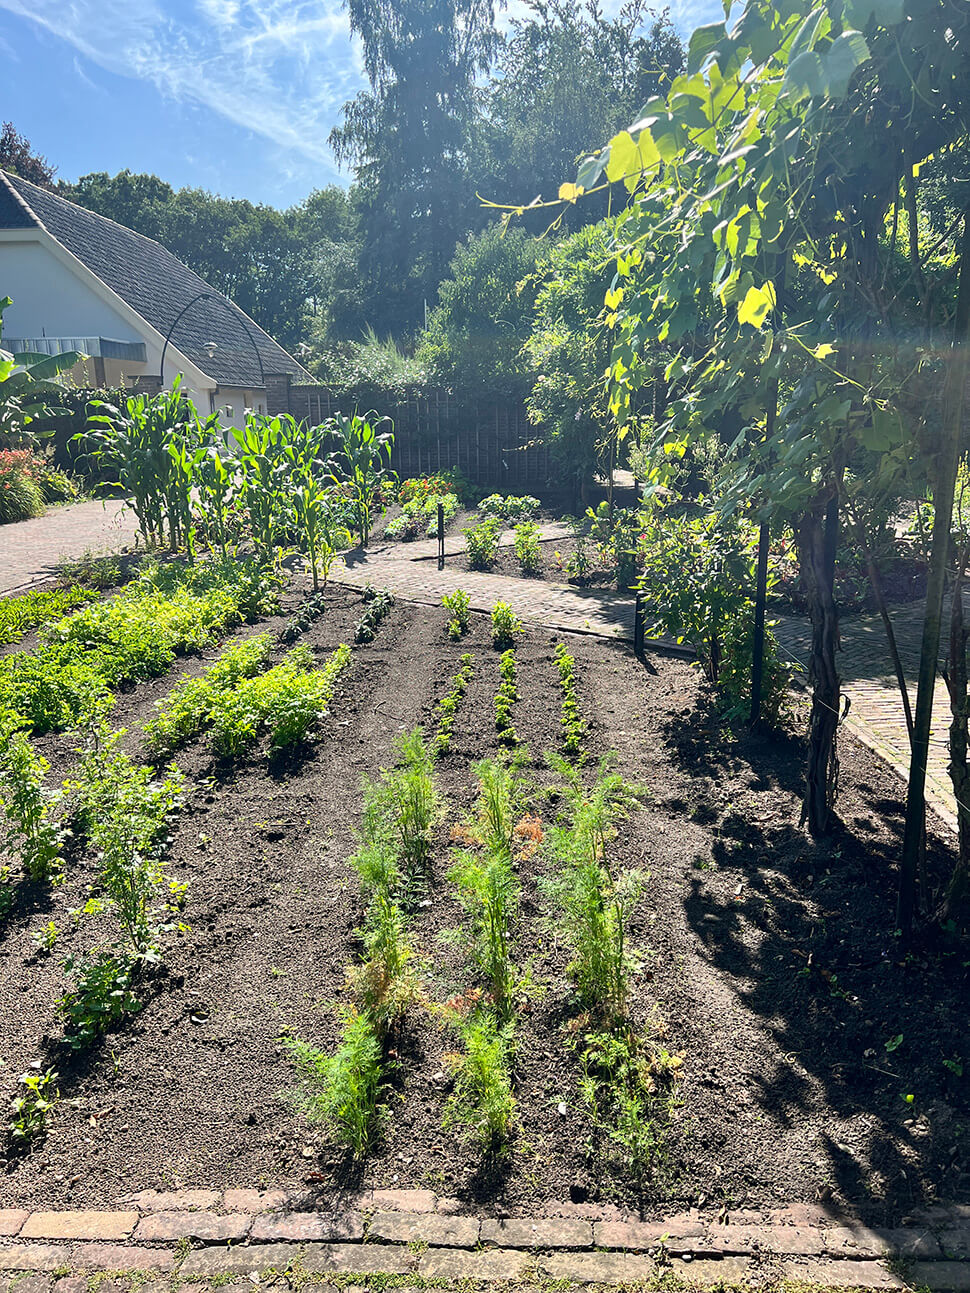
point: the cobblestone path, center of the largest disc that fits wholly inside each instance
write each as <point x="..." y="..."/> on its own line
<point x="31" y="550"/>
<point x="876" y="713"/>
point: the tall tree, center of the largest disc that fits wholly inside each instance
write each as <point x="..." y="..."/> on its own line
<point x="564" y="62"/>
<point x="408" y="139"/>
<point x="17" y="156"/>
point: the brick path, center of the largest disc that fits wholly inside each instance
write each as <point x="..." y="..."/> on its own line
<point x="876" y="714"/>
<point x="411" y="571"/>
<point x="193" y="1236"/>
<point x="30" y="550"/>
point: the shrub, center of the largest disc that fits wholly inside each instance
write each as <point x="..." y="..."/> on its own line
<point x="459" y="604"/>
<point x="56" y="486"/>
<point x="510" y="507"/>
<point x="342" y="1090"/>
<point x="505" y="625"/>
<point x="527" y="547"/>
<point x="420" y="488"/>
<point x="20" y="488"/>
<point x="483" y="1103"/>
<point x="482" y="541"/>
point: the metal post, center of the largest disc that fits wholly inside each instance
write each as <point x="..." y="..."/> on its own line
<point x="441" y="536"/>
<point x="638" y="626"/>
<point x="760" y="602"/>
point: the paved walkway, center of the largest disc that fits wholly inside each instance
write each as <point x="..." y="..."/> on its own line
<point x="876" y="713"/>
<point x="30" y="550"/>
<point x="187" y="1238"/>
<point x="411" y="570"/>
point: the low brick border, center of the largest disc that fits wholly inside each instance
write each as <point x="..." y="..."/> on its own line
<point x="201" y="1234"/>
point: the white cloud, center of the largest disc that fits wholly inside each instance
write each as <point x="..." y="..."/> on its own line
<point x="280" y="68"/>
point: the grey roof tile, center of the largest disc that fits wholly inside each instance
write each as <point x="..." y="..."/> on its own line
<point x="154" y="282"/>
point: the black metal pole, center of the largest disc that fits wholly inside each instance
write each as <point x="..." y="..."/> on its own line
<point x="441" y="536"/>
<point x="210" y="296"/>
<point x="638" y="626"/>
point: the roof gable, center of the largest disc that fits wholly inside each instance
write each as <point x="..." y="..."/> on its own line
<point x="154" y="283"/>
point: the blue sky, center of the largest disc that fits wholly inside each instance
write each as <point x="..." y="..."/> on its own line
<point x="237" y="96"/>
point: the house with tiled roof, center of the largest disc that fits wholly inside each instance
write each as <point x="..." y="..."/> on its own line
<point x="79" y="281"/>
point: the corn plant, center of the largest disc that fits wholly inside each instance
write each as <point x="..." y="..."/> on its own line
<point x="505" y="625"/>
<point x="527" y="548"/>
<point x="343" y="1090"/>
<point x="361" y="463"/>
<point x="482" y="1103"/>
<point x="458" y="604"/>
<point x="31" y="812"/>
<point x="263" y="488"/>
<point x="216" y="477"/>
<point x="145" y="448"/>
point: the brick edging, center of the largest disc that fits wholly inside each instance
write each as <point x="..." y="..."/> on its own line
<point x="415" y="1232"/>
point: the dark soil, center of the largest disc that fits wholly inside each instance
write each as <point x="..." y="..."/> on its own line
<point x="769" y="962"/>
<point x="555" y="554"/>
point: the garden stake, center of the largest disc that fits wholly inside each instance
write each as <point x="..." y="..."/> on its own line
<point x="441" y="536"/>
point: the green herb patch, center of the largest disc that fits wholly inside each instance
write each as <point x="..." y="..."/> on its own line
<point x="21" y="615"/>
<point x="447" y="707"/>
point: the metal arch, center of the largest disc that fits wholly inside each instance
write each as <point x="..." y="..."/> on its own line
<point x="211" y="296"/>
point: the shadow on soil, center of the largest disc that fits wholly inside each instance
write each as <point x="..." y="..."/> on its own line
<point x="865" y="1043"/>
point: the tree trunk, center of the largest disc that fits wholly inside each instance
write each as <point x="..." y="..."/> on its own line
<point x="954" y="388"/>
<point x="957" y="903"/>
<point x="817" y="537"/>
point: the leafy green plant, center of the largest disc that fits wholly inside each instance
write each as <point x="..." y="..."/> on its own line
<point x="627" y="1085"/>
<point x="573" y="725"/>
<point x="124" y="810"/>
<point x="400" y="810"/>
<point x="505" y="699"/>
<point x="482" y="542"/>
<point x="505" y="625"/>
<point x="187" y="708"/>
<point x="488" y="889"/>
<point x="343" y="1090"/>
<point x="594" y="905"/>
<point x="298" y="624"/>
<point x="288" y="700"/>
<point x="101" y="997"/>
<point x="28" y="386"/>
<point x="32" y="1107"/>
<point x="449" y="506"/>
<point x="31" y="812"/>
<point x="527" y="548"/>
<point x="19" y="615"/>
<point x="46" y="937"/>
<point x="379" y="607"/>
<point x="482" y="1103"/>
<point x="458" y="604"/>
<point x="388" y="980"/>
<point x="447" y="707"/>
<point x="511" y="507"/>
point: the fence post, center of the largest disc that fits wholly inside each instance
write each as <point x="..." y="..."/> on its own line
<point x="638" y="626"/>
<point x="441" y="536"/>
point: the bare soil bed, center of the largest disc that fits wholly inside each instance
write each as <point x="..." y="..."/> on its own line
<point x="770" y="963"/>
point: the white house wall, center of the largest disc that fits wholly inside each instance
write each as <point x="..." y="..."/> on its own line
<point x="49" y="299"/>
